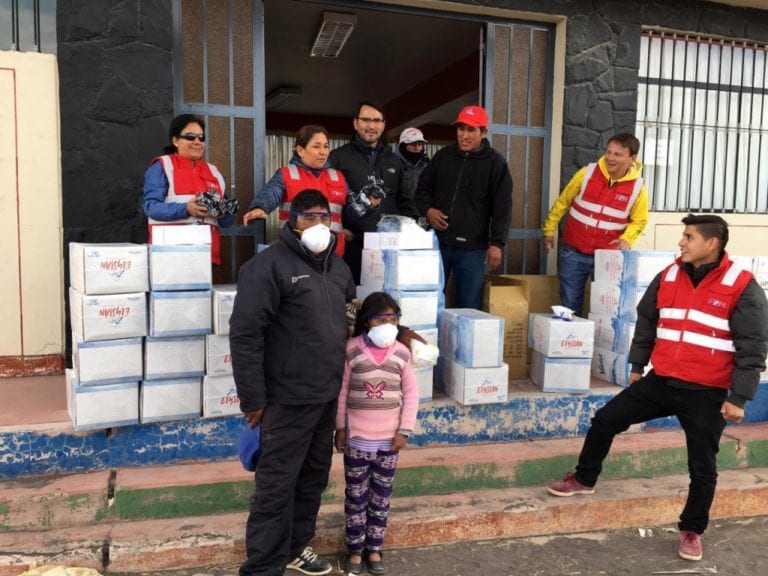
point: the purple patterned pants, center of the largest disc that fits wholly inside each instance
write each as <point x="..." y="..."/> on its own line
<point x="370" y="477"/>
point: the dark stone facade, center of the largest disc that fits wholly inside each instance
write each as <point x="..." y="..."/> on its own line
<point x="116" y="97"/>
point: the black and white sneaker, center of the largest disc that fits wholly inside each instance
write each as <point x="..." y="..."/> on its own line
<point x="308" y="562"/>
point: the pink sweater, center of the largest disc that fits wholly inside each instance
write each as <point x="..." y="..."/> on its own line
<point x="377" y="399"/>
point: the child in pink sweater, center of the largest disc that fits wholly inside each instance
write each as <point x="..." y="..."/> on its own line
<point x="377" y="412"/>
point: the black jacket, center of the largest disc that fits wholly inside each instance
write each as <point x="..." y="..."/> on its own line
<point x="288" y="329"/>
<point x="357" y="161"/>
<point x="749" y="329"/>
<point x="474" y="189"/>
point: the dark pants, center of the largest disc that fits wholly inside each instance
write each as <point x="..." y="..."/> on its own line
<point x="297" y="446"/>
<point x="573" y="270"/>
<point x="353" y="255"/>
<point x="699" y="414"/>
<point x="468" y="267"/>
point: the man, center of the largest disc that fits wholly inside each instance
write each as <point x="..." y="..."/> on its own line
<point x="465" y="193"/>
<point x="607" y="207"/>
<point x="413" y="158"/>
<point x="703" y="325"/>
<point x="366" y="159"/>
<point x="288" y="333"/>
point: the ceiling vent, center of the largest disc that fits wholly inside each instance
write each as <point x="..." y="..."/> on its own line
<point x="334" y="32"/>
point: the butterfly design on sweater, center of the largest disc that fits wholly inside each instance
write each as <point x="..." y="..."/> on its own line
<point x="374" y="390"/>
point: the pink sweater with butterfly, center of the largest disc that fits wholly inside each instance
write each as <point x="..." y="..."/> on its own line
<point x="377" y="398"/>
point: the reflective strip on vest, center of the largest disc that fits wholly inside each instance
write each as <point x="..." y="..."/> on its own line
<point x="672" y="313"/>
<point x="709" y="320"/>
<point x="671" y="274"/>
<point x="599" y="208"/>
<point x="333" y="175"/>
<point x="594" y="222"/>
<point x="708" y="342"/>
<point x="293" y="170"/>
<point x="729" y="278"/>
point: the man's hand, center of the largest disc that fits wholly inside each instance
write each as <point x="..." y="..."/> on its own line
<point x="493" y="257"/>
<point x="437" y="219"/>
<point x="399" y="442"/>
<point x="253" y="215"/>
<point x="341" y="439"/>
<point x="731" y="412"/>
<point x="634" y="377"/>
<point x="407" y="335"/>
<point x="620" y="244"/>
<point x="549" y="243"/>
<point x="196" y="210"/>
<point x="253" y="417"/>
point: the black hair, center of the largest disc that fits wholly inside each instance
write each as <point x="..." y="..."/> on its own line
<point x="178" y="123"/>
<point x="307" y="198"/>
<point x="305" y="134"/>
<point x="626" y="140"/>
<point x="375" y="303"/>
<point x="709" y="226"/>
<point x="375" y="105"/>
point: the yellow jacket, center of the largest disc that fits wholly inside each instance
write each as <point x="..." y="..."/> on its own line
<point x="638" y="213"/>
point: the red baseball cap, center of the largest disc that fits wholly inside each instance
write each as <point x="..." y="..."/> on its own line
<point x="472" y="116"/>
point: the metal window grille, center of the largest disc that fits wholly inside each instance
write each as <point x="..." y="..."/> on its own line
<point x="702" y="118"/>
<point x="28" y="25"/>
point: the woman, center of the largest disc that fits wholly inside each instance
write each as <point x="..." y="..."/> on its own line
<point x="413" y="157"/>
<point x="174" y="181"/>
<point x="307" y="169"/>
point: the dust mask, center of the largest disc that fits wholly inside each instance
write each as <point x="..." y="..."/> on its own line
<point x="383" y="335"/>
<point x="316" y="238"/>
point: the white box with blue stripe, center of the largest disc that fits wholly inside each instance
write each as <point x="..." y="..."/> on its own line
<point x="180" y="267"/>
<point x="172" y="399"/>
<point x="117" y="268"/>
<point x="560" y="374"/>
<point x="471" y="337"/>
<point x="174" y="357"/>
<point x="107" y="316"/>
<point x="99" y="407"/>
<point x="184" y="313"/>
<point x="107" y="361"/>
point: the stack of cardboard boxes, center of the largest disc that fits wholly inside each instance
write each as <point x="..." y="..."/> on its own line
<point x="219" y="391"/>
<point x="562" y="352"/>
<point x="107" y="300"/>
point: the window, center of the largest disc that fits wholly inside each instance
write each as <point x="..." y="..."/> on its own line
<point x="702" y="119"/>
<point x="28" y="25"/>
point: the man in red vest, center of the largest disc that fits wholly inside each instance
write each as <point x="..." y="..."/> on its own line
<point x="607" y="206"/>
<point x="703" y="326"/>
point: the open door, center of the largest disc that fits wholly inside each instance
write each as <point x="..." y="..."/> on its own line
<point x="517" y="92"/>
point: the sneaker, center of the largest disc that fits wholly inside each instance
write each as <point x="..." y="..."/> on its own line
<point x="690" y="546"/>
<point x="308" y="562"/>
<point x="569" y="486"/>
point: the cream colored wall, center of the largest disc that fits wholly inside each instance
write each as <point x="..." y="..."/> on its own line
<point x="31" y="307"/>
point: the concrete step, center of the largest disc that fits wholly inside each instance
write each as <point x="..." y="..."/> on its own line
<point x="156" y="545"/>
<point x="34" y="443"/>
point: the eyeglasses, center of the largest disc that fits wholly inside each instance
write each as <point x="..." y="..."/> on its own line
<point x="315" y="217"/>
<point x="389" y="318"/>
<point x="365" y="120"/>
<point x="191" y="137"/>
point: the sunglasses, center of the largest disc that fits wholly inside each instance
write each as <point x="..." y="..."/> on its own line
<point x="191" y="137"/>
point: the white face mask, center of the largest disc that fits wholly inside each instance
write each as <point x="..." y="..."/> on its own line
<point x="316" y="238"/>
<point x="383" y="335"/>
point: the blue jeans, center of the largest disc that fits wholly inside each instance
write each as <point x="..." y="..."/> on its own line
<point x="468" y="267"/>
<point x="699" y="414"/>
<point x="573" y="269"/>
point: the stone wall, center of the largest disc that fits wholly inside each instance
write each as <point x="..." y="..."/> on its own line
<point x="116" y="89"/>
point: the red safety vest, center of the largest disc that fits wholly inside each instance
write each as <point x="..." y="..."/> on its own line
<point x="330" y="182"/>
<point x="693" y="335"/>
<point x="599" y="213"/>
<point x="185" y="180"/>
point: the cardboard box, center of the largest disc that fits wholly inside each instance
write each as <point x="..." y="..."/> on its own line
<point x="100" y="407"/>
<point x="180" y="234"/>
<point x="174" y="399"/>
<point x="186" y="313"/>
<point x="569" y="375"/>
<point x="173" y="268"/>
<point x="107" y="361"/>
<point x="613" y="367"/>
<point x="760" y="271"/>
<point x="223" y="297"/>
<point x="415" y="238"/>
<point x="220" y="397"/>
<point x="418" y="309"/>
<point x="471" y="337"/>
<point x="429" y="334"/>
<point x="630" y="267"/>
<point x="372" y="269"/>
<point x="108" y="268"/>
<point x="218" y="359"/>
<point x="107" y="316"/>
<point x="411" y="270"/>
<point x="558" y="338"/>
<point x="617" y="301"/>
<point x="542" y="292"/>
<point x="175" y="357"/>
<point x="509" y="302"/>
<point x="469" y="386"/>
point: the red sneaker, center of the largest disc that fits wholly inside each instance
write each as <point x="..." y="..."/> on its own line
<point x="569" y="486"/>
<point x="690" y="546"/>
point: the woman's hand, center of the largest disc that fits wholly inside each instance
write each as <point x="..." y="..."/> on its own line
<point x="196" y="210"/>
<point x="253" y="215"/>
<point x="399" y="442"/>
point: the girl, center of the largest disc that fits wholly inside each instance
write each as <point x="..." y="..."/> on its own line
<point x="376" y="414"/>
